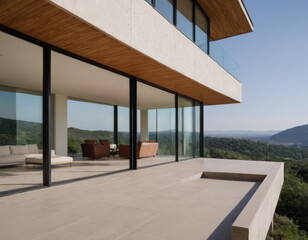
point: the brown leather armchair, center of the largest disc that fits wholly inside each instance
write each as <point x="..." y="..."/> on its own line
<point x="104" y="142"/>
<point x="93" y="150"/>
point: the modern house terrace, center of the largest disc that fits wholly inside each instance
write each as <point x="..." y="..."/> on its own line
<point x="234" y="200"/>
<point x="90" y="90"/>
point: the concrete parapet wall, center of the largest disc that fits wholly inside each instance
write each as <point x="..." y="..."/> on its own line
<point x="254" y="221"/>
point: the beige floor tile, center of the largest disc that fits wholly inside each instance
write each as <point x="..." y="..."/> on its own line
<point x="137" y="235"/>
<point x="38" y="227"/>
<point x="175" y="227"/>
<point x="125" y="216"/>
<point x="88" y="230"/>
<point x="153" y="203"/>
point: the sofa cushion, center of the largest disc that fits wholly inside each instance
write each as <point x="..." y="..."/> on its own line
<point x="4" y="150"/>
<point x="12" y="159"/>
<point x="33" y="149"/>
<point x="16" y="150"/>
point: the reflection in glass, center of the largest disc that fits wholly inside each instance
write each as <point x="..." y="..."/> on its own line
<point x="165" y="8"/>
<point x="202" y="38"/>
<point x="197" y="130"/>
<point x="185" y="111"/>
<point x="184" y="17"/>
<point x="21" y="74"/>
<point x="20" y="117"/>
<point x="98" y="127"/>
<point x="123" y="125"/>
<point x="156" y="119"/>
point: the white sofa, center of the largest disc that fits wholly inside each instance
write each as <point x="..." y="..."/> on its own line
<point x="30" y="154"/>
<point x="14" y="155"/>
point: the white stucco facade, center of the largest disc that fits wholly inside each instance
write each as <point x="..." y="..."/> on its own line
<point x="136" y="24"/>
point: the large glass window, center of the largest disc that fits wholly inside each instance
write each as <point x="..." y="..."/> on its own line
<point x="186" y="131"/>
<point x="201" y="29"/>
<point x="184" y="17"/>
<point x="85" y="98"/>
<point x="156" y="125"/>
<point x="78" y="120"/>
<point x="21" y="72"/>
<point x="197" y="129"/>
<point x="123" y="125"/>
<point x="165" y="7"/>
<point x="194" y="26"/>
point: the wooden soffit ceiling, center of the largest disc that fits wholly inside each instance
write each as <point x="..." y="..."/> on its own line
<point x="48" y="23"/>
<point x="228" y="18"/>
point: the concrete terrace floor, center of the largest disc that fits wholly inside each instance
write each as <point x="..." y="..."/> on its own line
<point x="167" y="201"/>
<point x="20" y="176"/>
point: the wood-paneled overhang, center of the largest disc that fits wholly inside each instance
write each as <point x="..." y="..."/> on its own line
<point x="228" y="18"/>
<point x="55" y="26"/>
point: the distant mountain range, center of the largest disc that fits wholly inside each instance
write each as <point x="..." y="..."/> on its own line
<point x="23" y="132"/>
<point x="255" y="135"/>
<point x="293" y="136"/>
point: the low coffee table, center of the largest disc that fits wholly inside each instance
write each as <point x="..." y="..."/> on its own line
<point x="55" y="160"/>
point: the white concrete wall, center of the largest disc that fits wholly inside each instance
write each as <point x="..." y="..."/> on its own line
<point x="137" y="24"/>
<point x="60" y="124"/>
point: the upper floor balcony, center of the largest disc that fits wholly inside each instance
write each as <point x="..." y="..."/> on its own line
<point x="135" y="39"/>
<point x="222" y="57"/>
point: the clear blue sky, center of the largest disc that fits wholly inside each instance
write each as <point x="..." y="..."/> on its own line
<point x="274" y="69"/>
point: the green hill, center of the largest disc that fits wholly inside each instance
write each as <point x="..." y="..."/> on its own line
<point x="18" y="132"/>
<point x="293" y="136"/>
<point x="77" y="136"/>
<point x="292" y="206"/>
<point x="252" y="150"/>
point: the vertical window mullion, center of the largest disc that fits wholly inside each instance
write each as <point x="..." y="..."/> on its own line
<point x="201" y="130"/>
<point x="194" y="20"/>
<point x="174" y="12"/>
<point x="208" y="36"/>
<point x="115" y="126"/>
<point x="46" y="117"/>
<point x="176" y="128"/>
<point x="133" y="123"/>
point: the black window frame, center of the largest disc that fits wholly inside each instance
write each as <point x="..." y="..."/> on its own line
<point x="47" y="48"/>
<point x="195" y="4"/>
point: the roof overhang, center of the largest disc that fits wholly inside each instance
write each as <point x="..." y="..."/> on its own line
<point x="49" y="23"/>
<point x="228" y="18"/>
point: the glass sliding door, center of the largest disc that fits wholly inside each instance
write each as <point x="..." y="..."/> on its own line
<point x="85" y="98"/>
<point x="156" y="125"/>
<point x="166" y="131"/>
<point x="79" y="122"/>
<point x="189" y="128"/>
<point x="186" y="131"/>
<point x="123" y="125"/>
<point x="21" y="71"/>
<point x="197" y="129"/>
